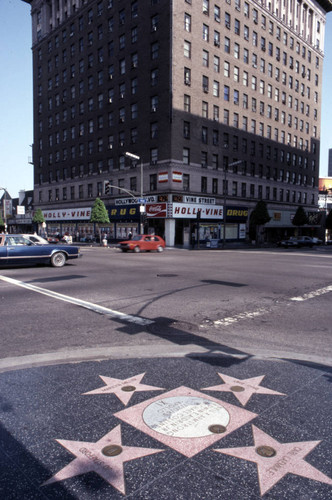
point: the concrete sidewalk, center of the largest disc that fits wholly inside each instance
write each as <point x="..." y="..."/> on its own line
<point x="201" y="426"/>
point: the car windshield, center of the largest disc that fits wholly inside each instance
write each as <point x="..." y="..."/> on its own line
<point x="137" y="237"/>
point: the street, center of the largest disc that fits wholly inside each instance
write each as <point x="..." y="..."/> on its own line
<point x="268" y="303"/>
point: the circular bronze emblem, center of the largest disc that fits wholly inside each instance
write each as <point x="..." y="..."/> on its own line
<point x="266" y="451"/>
<point x="128" y="388"/>
<point x="112" y="450"/>
<point x="217" y="428"/>
<point x="237" y="388"/>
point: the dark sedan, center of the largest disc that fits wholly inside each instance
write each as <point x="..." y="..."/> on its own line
<point x="17" y="250"/>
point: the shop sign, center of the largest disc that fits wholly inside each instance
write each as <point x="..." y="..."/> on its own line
<point x="177" y="176"/>
<point x="123" y="212"/>
<point x="237" y="214"/>
<point x="163" y="177"/>
<point x="67" y="214"/>
<point x="20" y="210"/>
<point x="156" y="210"/>
<point x="199" y="199"/>
<point x="134" y="201"/>
<point x="190" y="211"/>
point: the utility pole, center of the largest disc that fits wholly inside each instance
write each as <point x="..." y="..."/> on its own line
<point x="142" y="204"/>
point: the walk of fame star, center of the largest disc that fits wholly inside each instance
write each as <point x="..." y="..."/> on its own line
<point x="279" y="460"/>
<point x="242" y="389"/>
<point x="183" y="418"/>
<point x="106" y="457"/>
<point x="123" y="389"/>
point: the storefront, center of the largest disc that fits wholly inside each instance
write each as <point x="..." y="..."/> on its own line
<point x="203" y="222"/>
<point x="73" y="221"/>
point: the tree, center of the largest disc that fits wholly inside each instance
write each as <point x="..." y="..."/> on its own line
<point x="258" y="218"/>
<point x="300" y="218"/>
<point x="38" y="218"/>
<point x="99" y="214"/>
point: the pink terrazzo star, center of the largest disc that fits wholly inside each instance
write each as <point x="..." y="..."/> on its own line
<point x="98" y="457"/>
<point x="186" y="420"/>
<point x="242" y="389"/>
<point x="284" y="458"/>
<point x="123" y="389"/>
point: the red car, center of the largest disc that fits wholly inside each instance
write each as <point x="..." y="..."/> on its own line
<point x="143" y="242"/>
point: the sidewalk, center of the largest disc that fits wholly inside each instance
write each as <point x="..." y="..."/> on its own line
<point x="201" y="426"/>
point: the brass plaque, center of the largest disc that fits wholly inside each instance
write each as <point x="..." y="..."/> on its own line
<point x="266" y="451"/>
<point x="128" y="388"/>
<point x="112" y="450"/>
<point x="217" y="428"/>
<point x="237" y="388"/>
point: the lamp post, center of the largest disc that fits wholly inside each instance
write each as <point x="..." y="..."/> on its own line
<point x="142" y="206"/>
<point x="4" y="208"/>
<point x="225" y="198"/>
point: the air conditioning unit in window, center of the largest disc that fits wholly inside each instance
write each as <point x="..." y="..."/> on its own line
<point x="216" y="43"/>
<point x="205" y="89"/>
<point x="153" y="109"/>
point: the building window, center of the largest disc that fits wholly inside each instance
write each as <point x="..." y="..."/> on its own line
<point x="204" y="184"/>
<point x="186" y="182"/>
<point x="186" y="156"/>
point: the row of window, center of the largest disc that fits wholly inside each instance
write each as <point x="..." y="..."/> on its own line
<point x="234" y="189"/>
<point x="300" y="21"/>
<point x="227" y="141"/>
<point x="284" y="58"/>
<point x="255" y="127"/>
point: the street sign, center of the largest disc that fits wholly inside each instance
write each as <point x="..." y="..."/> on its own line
<point x="141" y="200"/>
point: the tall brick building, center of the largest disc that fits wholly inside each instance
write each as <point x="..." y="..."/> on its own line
<point x="219" y="100"/>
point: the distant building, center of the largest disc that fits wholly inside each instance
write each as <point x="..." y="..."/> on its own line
<point x="325" y="193"/>
<point x="20" y="213"/>
<point x="220" y="102"/>
<point x="329" y="173"/>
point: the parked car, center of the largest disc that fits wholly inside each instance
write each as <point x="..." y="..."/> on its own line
<point x="305" y="241"/>
<point x="52" y="238"/>
<point x="317" y="241"/>
<point x="143" y="242"/>
<point x="291" y="242"/>
<point x="15" y="249"/>
<point x="35" y="238"/>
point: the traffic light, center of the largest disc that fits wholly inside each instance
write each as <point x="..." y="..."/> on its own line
<point x="107" y="187"/>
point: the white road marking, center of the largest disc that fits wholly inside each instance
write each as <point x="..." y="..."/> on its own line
<point x="260" y="312"/>
<point x="239" y="317"/>
<point x="313" y="294"/>
<point x="82" y="303"/>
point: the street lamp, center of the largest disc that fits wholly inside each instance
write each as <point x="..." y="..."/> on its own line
<point x="142" y="206"/>
<point x="225" y="197"/>
<point x="4" y="207"/>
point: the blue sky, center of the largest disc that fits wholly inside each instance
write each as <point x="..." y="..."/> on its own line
<point x="16" y="131"/>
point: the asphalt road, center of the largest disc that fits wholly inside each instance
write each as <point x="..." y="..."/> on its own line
<point x="268" y="303"/>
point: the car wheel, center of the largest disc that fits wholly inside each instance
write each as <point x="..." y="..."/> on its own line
<point x="58" y="259"/>
<point x="160" y="249"/>
<point x="137" y="249"/>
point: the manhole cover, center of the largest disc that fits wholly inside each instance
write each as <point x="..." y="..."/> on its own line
<point x="166" y="275"/>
